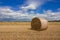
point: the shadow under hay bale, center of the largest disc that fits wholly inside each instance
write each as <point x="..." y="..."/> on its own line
<point x="39" y="24"/>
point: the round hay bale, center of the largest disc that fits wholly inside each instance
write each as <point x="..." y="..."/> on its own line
<point x="39" y="24"/>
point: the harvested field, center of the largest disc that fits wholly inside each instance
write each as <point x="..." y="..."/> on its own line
<point x="22" y="31"/>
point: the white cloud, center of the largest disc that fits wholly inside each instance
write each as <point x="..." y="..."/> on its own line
<point x="52" y="15"/>
<point x="6" y="12"/>
<point x="58" y="9"/>
<point x="33" y="4"/>
<point x="36" y="3"/>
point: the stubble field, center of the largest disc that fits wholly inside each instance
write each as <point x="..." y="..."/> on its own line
<point x="22" y="31"/>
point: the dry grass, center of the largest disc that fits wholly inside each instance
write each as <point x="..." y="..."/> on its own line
<point x="36" y="24"/>
<point x="39" y="24"/>
<point x="22" y="31"/>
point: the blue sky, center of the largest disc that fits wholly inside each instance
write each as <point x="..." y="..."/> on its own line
<point x="25" y="10"/>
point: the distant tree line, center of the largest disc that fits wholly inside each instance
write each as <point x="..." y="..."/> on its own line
<point x="54" y="21"/>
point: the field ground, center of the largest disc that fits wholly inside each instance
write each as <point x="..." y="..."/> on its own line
<point x="22" y="31"/>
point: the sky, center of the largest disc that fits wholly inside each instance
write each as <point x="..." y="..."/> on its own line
<point x="26" y="10"/>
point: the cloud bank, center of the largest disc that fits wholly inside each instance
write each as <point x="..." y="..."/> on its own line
<point x="7" y="14"/>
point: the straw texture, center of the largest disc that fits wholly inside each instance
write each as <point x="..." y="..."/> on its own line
<point x="39" y="23"/>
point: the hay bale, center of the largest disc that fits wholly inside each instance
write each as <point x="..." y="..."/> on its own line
<point x="39" y="24"/>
